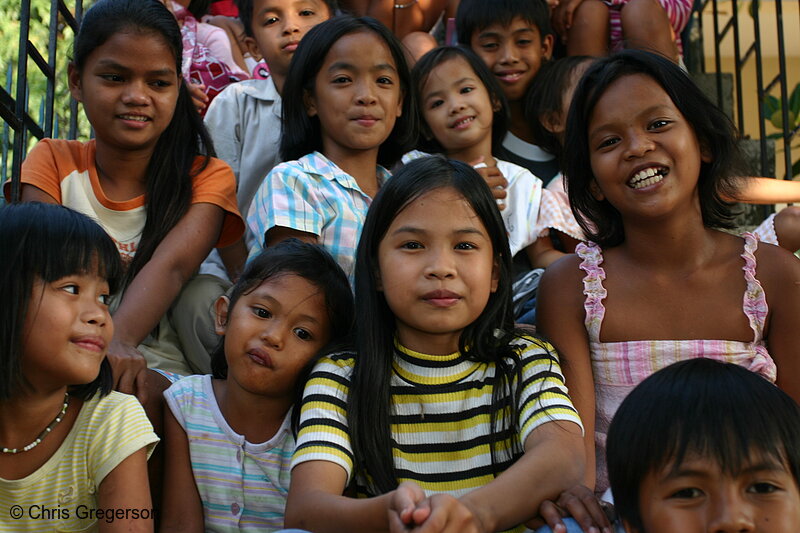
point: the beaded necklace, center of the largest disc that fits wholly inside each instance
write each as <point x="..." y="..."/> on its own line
<point x="43" y="434"/>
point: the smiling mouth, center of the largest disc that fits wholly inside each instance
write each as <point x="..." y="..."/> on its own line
<point x="462" y="123"/>
<point x="509" y="77"/>
<point x="647" y="177"/>
<point x="135" y="118"/>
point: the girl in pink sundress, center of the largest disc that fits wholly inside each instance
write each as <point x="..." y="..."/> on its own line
<point x="650" y="163"/>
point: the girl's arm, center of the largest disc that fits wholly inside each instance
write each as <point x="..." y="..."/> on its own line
<point x="756" y="190"/>
<point x="779" y="274"/>
<point x="182" y="509"/>
<point x="552" y="462"/>
<point x="560" y="318"/>
<point x="542" y="253"/>
<point x="155" y="287"/>
<point x="125" y="491"/>
<point x="316" y="502"/>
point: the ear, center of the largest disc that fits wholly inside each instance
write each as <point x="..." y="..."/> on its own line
<point x="495" y="275"/>
<point x="496" y="105"/>
<point x="400" y="104"/>
<point x="221" y="314"/>
<point x="705" y="153"/>
<point x="550" y="122"/>
<point x="629" y="528"/>
<point x="547" y="47"/>
<point x="594" y="188"/>
<point x="378" y="281"/>
<point x="252" y="48"/>
<point x="310" y="103"/>
<point x="74" y="79"/>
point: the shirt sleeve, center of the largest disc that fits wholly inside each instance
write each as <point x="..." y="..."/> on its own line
<point x="118" y="428"/>
<point x="40" y="169"/>
<point x="544" y="395"/>
<point x="216" y="185"/>
<point x="287" y="198"/>
<point x="225" y="127"/>
<point x="324" y="433"/>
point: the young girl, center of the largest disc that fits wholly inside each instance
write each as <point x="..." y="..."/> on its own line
<point x="230" y="436"/>
<point x="444" y="414"/>
<point x="144" y="177"/>
<point x="706" y="446"/>
<point x="464" y="114"/>
<point x="71" y="449"/>
<point x="650" y="163"/>
<point x="547" y="105"/>
<point x="347" y="108"/>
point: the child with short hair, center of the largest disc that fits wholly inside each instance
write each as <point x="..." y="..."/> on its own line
<point x="444" y="413"/>
<point x="230" y="435"/>
<point x="244" y="122"/>
<point x="706" y="446"/>
<point x="70" y="445"/>
<point x="513" y="37"/>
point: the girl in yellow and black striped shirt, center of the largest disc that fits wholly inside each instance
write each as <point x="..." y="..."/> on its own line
<point x="445" y="417"/>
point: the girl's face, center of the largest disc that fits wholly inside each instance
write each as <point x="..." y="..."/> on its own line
<point x="436" y="269"/>
<point x="357" y="95"/>
<point x="129" y="89"/>
<point x="67" y="331"/>
<point x="556" y="122"/>
<point x="272" y="332"/>
<point x="645" y="156"/>
<point x="457" y="107"/>
<point x="699" y="497"/>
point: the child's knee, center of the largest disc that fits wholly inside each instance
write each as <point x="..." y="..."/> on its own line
<point x="787" y="228"/>
<point x="643" y="17"/>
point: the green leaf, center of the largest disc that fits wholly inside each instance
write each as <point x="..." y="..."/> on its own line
<point x="771" y="104"/>
<point x="794" y="100"/>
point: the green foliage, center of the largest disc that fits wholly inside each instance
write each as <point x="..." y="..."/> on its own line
<point x="39" y="36"/>
<point x="773" y="111"/>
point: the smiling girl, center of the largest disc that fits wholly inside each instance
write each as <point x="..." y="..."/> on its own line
<point x="147" y="177"/>
<point x="651" y="161"/>
<point x="347" y="114"/>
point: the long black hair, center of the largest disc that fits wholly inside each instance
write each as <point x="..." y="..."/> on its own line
<point x="46" y="242"/>
<point x="314" y="264"/>
<point x="419" y="75"/>
<point x="724" y="413"/>
<point x="302" y="134"/>
<point x="489" y="337"/>
<point x="600" y="220"/>
<point x="172" y="166"/>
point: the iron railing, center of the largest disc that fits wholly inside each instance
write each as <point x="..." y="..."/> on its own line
<point x="731" y="20"/>
<point x="18" y="124"/>
<point x="727" y="23"/>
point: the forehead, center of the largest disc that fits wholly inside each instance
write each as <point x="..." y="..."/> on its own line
<point x="361" y="48"/>
<point x="498" y="30"/>
<point x="438" y="210"/>
<point x="628" y="96"/>
<point x="293" y="291"/>
<point x="260" y="6"/>
<point x="447" y="73"/>
<point x="145" y="50"/>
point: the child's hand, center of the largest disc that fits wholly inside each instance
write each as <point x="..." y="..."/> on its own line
<point x="128" y="368"/>
<point x="580" y="503"/>
<point x="562" y="17"/>
<point x="494" y="179"/>
<point x="446" y="514"/>
<point x="404" y="513"/>
<point x="199" y="97"/>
